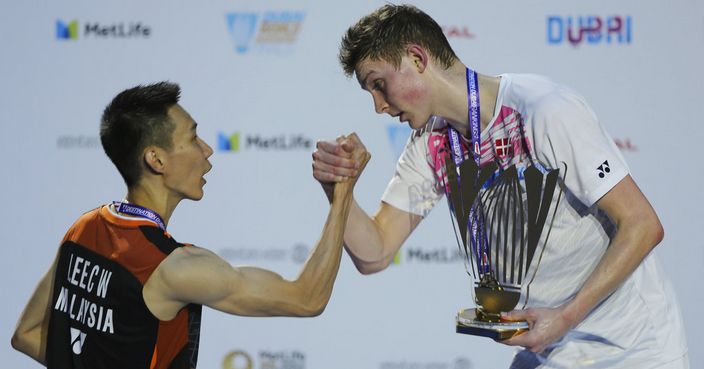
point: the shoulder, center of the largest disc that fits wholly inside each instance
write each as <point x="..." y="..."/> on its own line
<point x="190" y="265"/>
<point x="545" y="104"/>
<point x="183" y="259"/>
<point x="532" y="93"/>
<point x="83" y="222"/>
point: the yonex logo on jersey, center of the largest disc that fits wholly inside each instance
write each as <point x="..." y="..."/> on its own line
<point x="77" y="340"/>
<point x="604" y="169"/>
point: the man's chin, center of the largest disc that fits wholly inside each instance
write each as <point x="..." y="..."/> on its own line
<point x="417" y="124"/>
<point x="195" y="197"/>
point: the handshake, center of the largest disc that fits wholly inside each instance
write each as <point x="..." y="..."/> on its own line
<point x="339" y="162"/>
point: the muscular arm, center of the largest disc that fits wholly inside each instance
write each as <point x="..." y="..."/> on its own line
<point x="371" y="241"/>
<point x="195" y="275"/>
<point x="639" y="231"/>
<point x="30" y="333"/>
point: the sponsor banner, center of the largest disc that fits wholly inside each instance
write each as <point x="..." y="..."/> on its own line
<point x="272" y="31"/>
<point x="455" y="31"/>
<point x="589" y="30"/>
<point x="77" y="141"/>
<point x="297" y="253"/>
<point x="238" y="141"/>
<point x="428" y="255"/>
<point x="457" y="363"/>
<point x="265" y="359"/>
<point x="398" y="135"/>
<point x="74" y="30"/>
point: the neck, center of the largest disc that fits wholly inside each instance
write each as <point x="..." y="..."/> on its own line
<point x="156" y="201"/>
<point x="455" y="105"/>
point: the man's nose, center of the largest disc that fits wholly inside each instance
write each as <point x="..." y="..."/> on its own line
<point x="380" y="105"/>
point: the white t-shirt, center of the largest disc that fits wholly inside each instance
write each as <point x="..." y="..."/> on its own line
<point x="542" y="124"/>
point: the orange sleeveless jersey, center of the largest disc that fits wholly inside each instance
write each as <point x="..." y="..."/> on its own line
<point x="98" y="317"/>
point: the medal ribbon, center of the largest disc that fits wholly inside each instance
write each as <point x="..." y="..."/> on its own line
<point x="139" y="211"/>
<point x="478" y="240"/>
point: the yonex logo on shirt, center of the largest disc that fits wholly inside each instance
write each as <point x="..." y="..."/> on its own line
<point x="77" y="339"/>
<point x="604" y="169"/>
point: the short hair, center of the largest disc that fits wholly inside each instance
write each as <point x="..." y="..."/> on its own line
<point x="134" y="119"/>
<point x="384" y="34"/>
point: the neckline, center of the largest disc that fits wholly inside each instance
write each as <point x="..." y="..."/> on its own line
<point x="110" y="213"/>
<point x="503" y="82"/>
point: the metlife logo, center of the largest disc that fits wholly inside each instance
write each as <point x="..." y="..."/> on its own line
<point x="429" y="255"/>
<point x="237" y="142"/>
<point x="74" y="30"/>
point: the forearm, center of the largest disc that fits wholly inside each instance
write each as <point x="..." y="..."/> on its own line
<point x="30" y="334"/>
<point x="317" y="278"/>
<point x="365" y="243"/>
<point x="633" y="241"/>
<point x="363" y="239"/>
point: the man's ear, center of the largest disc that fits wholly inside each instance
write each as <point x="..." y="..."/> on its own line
<point x="418" y="55"/>
<point x="155" y="159"/>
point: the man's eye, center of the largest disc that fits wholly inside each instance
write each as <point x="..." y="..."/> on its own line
<point x="377" y="85"/>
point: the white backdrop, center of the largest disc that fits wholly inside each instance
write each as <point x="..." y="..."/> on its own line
<point x="263" y="75"/>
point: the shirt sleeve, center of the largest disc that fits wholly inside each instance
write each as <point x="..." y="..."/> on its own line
<point x="414" y="187"/>
<point x="568" y="136"/>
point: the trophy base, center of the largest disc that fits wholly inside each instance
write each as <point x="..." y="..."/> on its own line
<point x="467" y="323"/>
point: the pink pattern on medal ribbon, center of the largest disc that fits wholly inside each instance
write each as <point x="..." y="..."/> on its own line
<point x="504" y="144"/>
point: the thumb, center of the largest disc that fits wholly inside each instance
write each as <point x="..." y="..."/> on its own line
<point x="348" y="145"/>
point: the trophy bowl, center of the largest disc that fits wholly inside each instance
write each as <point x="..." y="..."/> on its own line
<point x="493" y="301"/>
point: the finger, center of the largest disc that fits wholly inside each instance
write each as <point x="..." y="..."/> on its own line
<point x="348" y="145"/>
<point x="333" y="159"/>
<point x="333" y="170"/>
<point x="327" y="177"/>
<point x="522" y="339"/>
<point x="515" y="315"/>
<point x="332" y="148"/>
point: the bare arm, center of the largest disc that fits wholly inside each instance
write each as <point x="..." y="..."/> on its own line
<point x="195" y="275"/>
<point x="32" y="327"/>
<point x="639" y="231"/>
<point x="372" y="241"/>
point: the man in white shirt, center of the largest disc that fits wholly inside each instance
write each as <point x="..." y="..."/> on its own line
<point x="599" y="299"/>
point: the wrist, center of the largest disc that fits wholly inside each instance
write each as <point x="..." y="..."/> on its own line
<point x="328" y="189"/>
<point x="571" y="314"/>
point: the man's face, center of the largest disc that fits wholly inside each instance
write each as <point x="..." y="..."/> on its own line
<point x="187" y="161"/>
<point x="398" y="92"/>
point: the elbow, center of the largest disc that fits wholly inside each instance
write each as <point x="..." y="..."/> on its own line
<point x="649" y="231"/>
<point x="316" y="311"/>
<point x="312" y="309"/>
<point x="653" y="229"/>
<point x="310" y="302"/>
<point x="18" y="342"/>
<point x="368" y="270"/>
<point x="658" y="233"/>
<point x="15" y="341"/>
<point x="371" y="267"/>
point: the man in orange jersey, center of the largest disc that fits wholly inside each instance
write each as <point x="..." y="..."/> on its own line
<point x="122" y="293"/>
